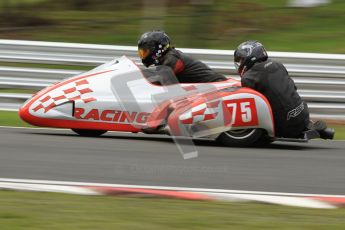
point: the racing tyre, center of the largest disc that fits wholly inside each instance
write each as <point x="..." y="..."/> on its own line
<point x="242" y="137"/>
<point x="89" y="132"/>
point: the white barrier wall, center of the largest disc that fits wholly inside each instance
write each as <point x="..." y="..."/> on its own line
<point x="320" y="78"/>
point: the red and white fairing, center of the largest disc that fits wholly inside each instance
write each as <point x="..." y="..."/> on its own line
<point x="116" y="96"/>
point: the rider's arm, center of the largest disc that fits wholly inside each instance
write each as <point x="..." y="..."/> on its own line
<point x="166" y="75"/>
<point x="176" y="64"/>
<point x="250" y="80"/>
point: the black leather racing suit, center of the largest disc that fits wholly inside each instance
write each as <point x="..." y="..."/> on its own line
<point x="188" y="70"/>
<point x="291" y="114"/>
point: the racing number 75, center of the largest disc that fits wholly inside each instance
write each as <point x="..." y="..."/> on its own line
<point x="240" y="112"/>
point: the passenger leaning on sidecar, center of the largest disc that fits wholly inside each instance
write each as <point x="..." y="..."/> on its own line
<point x="154" y="49"/>
<point x="290" y="112"/>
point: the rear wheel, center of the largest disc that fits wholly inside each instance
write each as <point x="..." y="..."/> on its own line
<point x="89" y="132"/>
<point x="243" y="137"/>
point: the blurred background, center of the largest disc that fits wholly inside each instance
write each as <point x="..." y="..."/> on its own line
<point x="281" y="25"/>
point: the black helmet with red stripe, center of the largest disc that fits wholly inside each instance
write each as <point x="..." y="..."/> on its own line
<point x="247" y="54"/>
<point x="151" y="46"/>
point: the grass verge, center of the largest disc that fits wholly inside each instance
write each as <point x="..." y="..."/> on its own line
<point x="8" y="118"/>
<point x="30" y="210"/>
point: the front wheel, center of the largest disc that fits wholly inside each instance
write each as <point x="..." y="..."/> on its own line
<point x="89" y="132"/>
<point x="242" y="137"/>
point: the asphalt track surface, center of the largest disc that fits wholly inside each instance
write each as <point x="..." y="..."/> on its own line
<point x="317" y="167"/>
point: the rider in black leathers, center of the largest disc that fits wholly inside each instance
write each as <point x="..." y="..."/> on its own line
<point x="290" y="112"/>
<point x="154" y="48"/>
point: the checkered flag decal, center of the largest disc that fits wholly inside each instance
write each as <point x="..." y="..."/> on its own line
<point x="203" y="112"/>
<point x="79" y="91"/>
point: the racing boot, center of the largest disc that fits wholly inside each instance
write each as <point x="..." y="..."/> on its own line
<point x="321" y="128"/>
<point x="327" y="133"/>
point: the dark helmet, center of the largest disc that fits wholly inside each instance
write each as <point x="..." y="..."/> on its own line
<point x="247" y="54"/>
<point x="151" y="46"/>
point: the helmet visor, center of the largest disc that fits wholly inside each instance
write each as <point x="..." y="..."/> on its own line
<point x="237" y="60"/>
<point x="237" y="64"/>
<point x="143" y="53"/>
